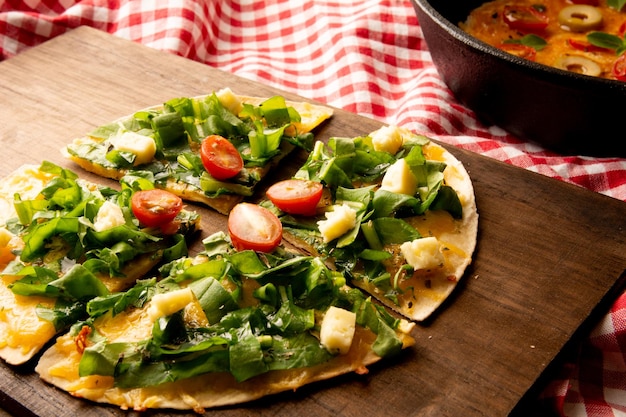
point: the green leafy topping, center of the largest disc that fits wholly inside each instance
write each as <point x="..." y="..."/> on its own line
<point x="531" y="40"/>
<point x="178" y="128"/>
<point x="352" y="170"/>
<point x="606" y="40"/>
<point x="63" y="253"/>
<point x="276" y="331"/>
<point x="616" y="4"/>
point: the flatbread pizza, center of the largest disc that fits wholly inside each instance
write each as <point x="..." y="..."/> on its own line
<point x="325" y="276"/>
<point x="394" y="211"/>
<point x="63" y="241"/>
<point x="211" y="149"/>
<point x="222" y="328"/>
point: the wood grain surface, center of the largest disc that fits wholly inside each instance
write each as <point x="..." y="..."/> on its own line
<point x="550" y="256"/>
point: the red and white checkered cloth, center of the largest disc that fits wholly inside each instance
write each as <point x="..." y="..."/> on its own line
<point x="367" y="57"/>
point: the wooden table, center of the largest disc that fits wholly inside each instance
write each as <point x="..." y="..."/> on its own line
<point x="549" y="261"/>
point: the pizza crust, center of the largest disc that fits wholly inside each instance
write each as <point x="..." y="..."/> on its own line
<point x="58" y="366"/>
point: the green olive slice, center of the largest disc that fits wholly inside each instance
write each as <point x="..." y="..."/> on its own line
<point x="578" y="64"/>
<point x="580" y="18"/>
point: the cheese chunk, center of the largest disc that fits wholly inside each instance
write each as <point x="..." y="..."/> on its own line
<point x="109" y="216"/>
<point x="143" y="147"/>
<point x="338" y="221"/>
<point x="387" y="139"/>
<point x="169" y="303"/>
<point x="399" y="179"/>
<point x="423" y="253"/>
<point x="229" y="100"/>
<point x="337" y="330"/>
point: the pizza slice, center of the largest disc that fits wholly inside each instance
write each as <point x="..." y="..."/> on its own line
<point x="222" y="328"/>
<point x="212" y="149"/>
<point x="392" y="210"/>
<point x="64" y="240"/>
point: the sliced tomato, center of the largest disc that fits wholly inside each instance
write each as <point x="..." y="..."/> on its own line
<point x="155" y="208"/>
<point x="296" y="196"/>
<point x="252" y="227"/>
<point x="525" y="18"/>
<point x="519" y="50"/>
<point x="588" y="2"/>
<point x="584" y="46"/>
<point x="220" y="157"/>
<point x="619" y="68"/>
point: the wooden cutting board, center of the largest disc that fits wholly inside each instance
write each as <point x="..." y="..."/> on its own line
<point x="550" y="256"/>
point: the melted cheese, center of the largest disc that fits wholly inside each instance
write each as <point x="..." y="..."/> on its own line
<point x="22" y="332"/>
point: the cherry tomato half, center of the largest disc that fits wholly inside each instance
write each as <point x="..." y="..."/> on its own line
<point x="220" y="157"/>
<point x="584" y="46"/>
<point x="525" y="18"/>
<point x="619" y="68"/>
<point x="155" y="208"/>
<point x="519" y="50"/>
<point x="296" y="196"/>
<point x="252" y="227"/>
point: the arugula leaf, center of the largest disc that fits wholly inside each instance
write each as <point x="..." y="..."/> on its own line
<point x="374" y="255"/>
<point x="264" y="143"/>
<point x="77" y="284"/>
<point x="387" y="203"/>
<point x="298" y="351"/>
<point x="102" y="358"/>
<point x="246" y="356"/>
<point x="137" y="297"/>
<point x="169" y="130"/>
<point x="213" y="187"/>
<point x="291" y="319"/>
<point x="37" y="235"/>
<point x="276" y="112"/>
<point x="26" y="209"/>
<point x="145" y="374"/>
<point x="392" y="230"/>
<point x="387" y="343"/>
<point x="63" y="314"/>
<point x="213" y="297"/>
<point x="447" y="199"/>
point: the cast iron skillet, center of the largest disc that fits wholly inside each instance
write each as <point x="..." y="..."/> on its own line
<point x="563" y="111"/>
